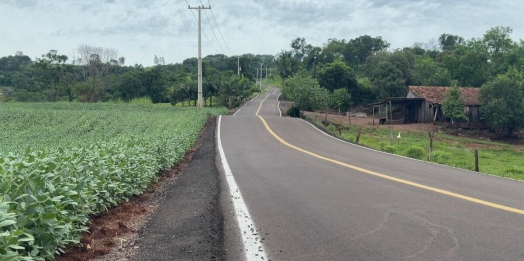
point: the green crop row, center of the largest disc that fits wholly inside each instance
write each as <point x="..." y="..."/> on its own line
<point x="49" y="190"/>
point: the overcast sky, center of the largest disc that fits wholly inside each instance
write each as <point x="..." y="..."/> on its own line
<point x="141" y="29"/>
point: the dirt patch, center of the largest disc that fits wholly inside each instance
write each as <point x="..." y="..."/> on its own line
<point x="112" y="235"/>
<point x="368" y="121"/>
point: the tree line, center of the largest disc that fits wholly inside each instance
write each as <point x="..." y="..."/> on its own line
<point x="96" y="74"/>
<point x="364" y="70"/>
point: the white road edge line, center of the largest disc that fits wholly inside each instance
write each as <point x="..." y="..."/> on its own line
<point x="245" y="105"/>
<point x="357" y="145"/>
<point x="253" y="248"/>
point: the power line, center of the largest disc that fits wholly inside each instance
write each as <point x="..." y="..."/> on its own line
<point x="213" y="31"/>
<point x="203" y="30"/>
<point x="219" y="30"/>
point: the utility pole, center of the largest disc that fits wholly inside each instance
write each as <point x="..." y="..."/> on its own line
<point x="256" y="81"/>
<point x="266" y="72"/>
<point x="238" y="65"/>
<point x="261" y="70"/>
<point x="199" y="9"/>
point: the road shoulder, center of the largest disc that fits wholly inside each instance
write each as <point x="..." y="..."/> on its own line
<point x="188" y="224"/>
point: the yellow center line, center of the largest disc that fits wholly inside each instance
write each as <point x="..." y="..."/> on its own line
<point x="260" y="107"/>
<point x="441" y="191"/>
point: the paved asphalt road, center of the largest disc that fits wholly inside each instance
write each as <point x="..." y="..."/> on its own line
<point x="317" y="204"/>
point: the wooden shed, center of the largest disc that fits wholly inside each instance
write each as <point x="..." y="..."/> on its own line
<point x="423" y="104"/>
<point x="435" y="95"/>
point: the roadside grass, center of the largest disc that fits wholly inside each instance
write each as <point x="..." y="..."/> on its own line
<point x="495" y="158"/>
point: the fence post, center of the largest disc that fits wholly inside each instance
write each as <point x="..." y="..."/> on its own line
<point x="358" y="135"/>
<point x="477" y="160"/>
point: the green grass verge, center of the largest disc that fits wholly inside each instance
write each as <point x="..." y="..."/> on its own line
<point x="495" y="158"/>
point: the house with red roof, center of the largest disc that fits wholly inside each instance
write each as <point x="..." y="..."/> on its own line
<point x="423" y="104"/>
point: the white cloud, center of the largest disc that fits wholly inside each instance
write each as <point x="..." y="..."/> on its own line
<point x="140" y="29"/>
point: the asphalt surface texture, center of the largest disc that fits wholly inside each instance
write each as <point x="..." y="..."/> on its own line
<point x="325" y="199"/>
<point x="188" y="225"/>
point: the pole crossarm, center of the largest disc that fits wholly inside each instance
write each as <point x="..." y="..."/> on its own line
<point x="199" y="8"/>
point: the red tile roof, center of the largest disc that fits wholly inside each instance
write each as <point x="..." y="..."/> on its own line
<point x="436" y="94"/>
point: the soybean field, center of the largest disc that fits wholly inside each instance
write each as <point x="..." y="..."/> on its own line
<point x="62" y="162"/>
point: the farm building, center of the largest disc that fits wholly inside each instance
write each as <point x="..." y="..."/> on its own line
<point x="423" y="104"/>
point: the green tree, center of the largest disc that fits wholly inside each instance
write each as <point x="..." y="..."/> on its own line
<point x="340" y="98"/>
<point x="53" y="68"/>
<point x="300" y="48"/>
<point x="453" y="106"/>
<point x="362" y="47"/>
<point x="287" y="64"/>
<point x="449" y="42"/>
<point x="387" y="81"/>
<point x="503" y="102"/>
<point x="473" y="68"/>
<point x="337" y="75"/>
<point x="130" y="87"/>
<point x="427" y="72"/>
<point x="305" y="92"/>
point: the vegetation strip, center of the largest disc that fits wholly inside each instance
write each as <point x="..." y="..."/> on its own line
<point x="441" y="191"/>
<point x="96" y="156"/>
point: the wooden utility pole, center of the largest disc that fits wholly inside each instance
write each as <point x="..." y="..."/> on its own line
<point x="431" y="135"/>
<point x="477" y="160"/>
<point x="199" y="9"/>
<point x="261" y="71"/>
<point x="257" y="80"/>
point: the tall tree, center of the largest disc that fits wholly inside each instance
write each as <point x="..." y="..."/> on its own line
<point x="388" y="81"/>
<point x="300" y="48"/>
<point x="341" y="99"/>
<point x="503" y="101"/>
<point x="287" y="64"/>
<point x="337" y="75"/>
<point x="499" y="44"/>
<point x="95" y="64"/>
<point x="449" y="42"/>
<point x="453" y="106"/>
<point x="53" y="73"/>
<point x="362" y="47"/>
<point x="305" y="92"/>
<point x="427" y="72"/>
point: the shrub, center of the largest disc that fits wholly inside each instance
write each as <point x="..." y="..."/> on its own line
<point x="415" y="152"/>
<point x="384" y="146"/>
<point x="331" y="128"/>
<point x="348" y="137"/>
<point x="223" y="100"/>
<point x="390" y="149"/>
<point x="440" y="157"/>
<point x="293" y="112"/>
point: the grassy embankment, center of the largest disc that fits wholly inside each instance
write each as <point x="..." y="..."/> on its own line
<point x="495" y="158"/>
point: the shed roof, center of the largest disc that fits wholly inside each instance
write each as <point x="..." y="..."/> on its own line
<point x="398" y="100"/>
<point x="437" y="94"/>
